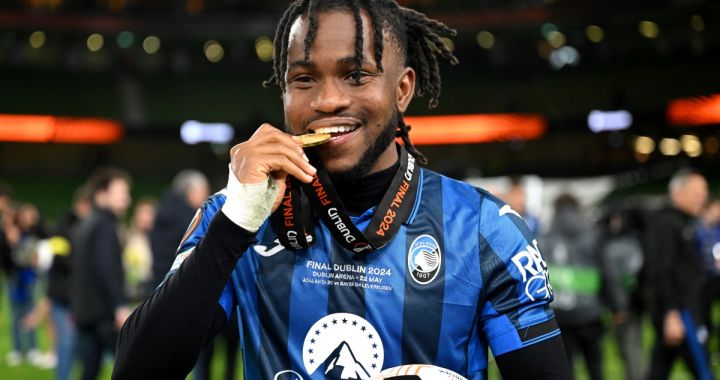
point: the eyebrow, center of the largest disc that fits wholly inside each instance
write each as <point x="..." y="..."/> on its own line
<point x="309" y="64"/>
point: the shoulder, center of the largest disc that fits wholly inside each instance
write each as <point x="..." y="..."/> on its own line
<point x="201" y="221"/>
<point x="456" y="190"/>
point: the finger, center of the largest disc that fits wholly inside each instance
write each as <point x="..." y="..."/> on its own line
<point x="299" y="158"/>
<point x="283" y="163"/>
<point x="267" y="133"/>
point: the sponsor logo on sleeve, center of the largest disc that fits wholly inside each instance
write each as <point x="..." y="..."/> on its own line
<point x="533" y="270"/>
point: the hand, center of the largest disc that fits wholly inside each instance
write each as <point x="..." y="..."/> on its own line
<point x="258" y="170"/>
<point x="673" y="329"/>
<point x="30" y="321"/>
<point x="122" y="313"/>
<point x="270" y="152"/>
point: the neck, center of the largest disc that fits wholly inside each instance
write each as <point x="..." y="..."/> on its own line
<point x="359" y="195"/>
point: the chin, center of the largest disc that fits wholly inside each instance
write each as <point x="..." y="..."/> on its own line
<point x="338" y="164"/>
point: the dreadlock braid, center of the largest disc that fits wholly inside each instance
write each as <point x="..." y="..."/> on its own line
<point x="404" y="134"/>
<point x="280" y="44"/>
<point x="419" y="39"/>
<point x="377" y="32"/>
<point x="359" y="40"/>
<point x="312" y="27"/>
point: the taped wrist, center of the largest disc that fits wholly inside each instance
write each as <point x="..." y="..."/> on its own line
<point x="249" y="205"/>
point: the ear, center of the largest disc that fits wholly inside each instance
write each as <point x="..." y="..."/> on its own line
<point x="405" y="89"/>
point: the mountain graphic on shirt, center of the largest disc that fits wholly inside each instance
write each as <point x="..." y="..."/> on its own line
<point x="341" y="364"/>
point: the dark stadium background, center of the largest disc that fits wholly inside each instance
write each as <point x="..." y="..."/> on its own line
<point x="153" y="94"/>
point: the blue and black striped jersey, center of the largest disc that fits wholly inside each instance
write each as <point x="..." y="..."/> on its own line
<point x="463" y="273"/>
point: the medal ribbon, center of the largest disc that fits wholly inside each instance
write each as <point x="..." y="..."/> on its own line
<point x="393" y="210"/>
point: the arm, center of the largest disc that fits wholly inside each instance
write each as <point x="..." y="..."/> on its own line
<point x="164" y="336"/>
<point x="544" y="360"/>
<point x="515" y="317"/>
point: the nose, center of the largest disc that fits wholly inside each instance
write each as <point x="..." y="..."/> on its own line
<point x="331" y="98"/>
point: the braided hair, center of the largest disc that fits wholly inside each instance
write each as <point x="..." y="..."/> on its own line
<point x="419" y="39"/>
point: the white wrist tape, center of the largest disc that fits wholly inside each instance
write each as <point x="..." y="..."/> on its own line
<point x="249" y="205"/>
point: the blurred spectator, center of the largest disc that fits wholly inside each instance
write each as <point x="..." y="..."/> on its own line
<point x="570" y="248"/>
<point x="23" y="238"/>
<point x="675" y="279"/>
<point x="623" y="260"/>
<point x="517" y="199"/>
<point x="97" y="300"/>
<point x="137" y="255"/>
<point x="707" y="235"/>
<point x="5" y="220"/>
<point x="188" y="191"/>
<point x="59" y="282"/>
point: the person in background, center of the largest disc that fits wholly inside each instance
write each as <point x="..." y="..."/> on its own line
<point x="707" y="236"/>
<point x="675" y="278"/>
<point x="137" y="255"/>
<point x="570" y="246"/>
<point x="60" y="279"/>
<point x="5" y="220"/>
<point x="517" y="199"/>
<point x="97" y="299"/>
<point x="188" y="191"/>
<point x="623" y="259"/>
<point x="23" y="239"/>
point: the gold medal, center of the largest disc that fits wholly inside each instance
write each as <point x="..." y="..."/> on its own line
<point x="313" y="139"/>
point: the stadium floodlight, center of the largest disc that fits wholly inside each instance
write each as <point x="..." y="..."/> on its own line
<point x="602" y="121"/>
<point x="194" y="132"/>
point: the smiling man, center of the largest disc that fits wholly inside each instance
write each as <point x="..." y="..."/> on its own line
<point x="348" y="258"/>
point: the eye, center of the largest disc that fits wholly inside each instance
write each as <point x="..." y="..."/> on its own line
<point x="302" y="81"/>
<point x="358" y="76"/>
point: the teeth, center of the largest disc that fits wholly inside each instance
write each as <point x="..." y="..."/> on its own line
<point x="337" y="129"/>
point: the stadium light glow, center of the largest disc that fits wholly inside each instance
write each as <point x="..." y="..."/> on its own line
<point x="566" y="55"/>
<point x="95" y="42"/>
<point x="701" y="110"/>
<point x="556" y="39"/>
<point x="644" y="145"/>
<point x="55" y="129"/>
<point x="649" y="29"/>
<point x="473" y="129"/>
<point x="601" y="121"/>
<point x="214" y="52"/>
<point x="691" y="145"/>
<point x="125" y="39"/>
<point x="595" y="33"/>
<point x="670" y="146"/>
<point x="37" y="39"/>
<point x="264" y="49"/>
<point x="697" y="23"/>
<point x="485" y="39"/>
<point x="151" y="44"/>
<point x="194" y="132"/>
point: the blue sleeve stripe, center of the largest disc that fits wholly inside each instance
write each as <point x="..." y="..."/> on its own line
<point x="541" y="338"/>
<point x="226" y="300"/>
